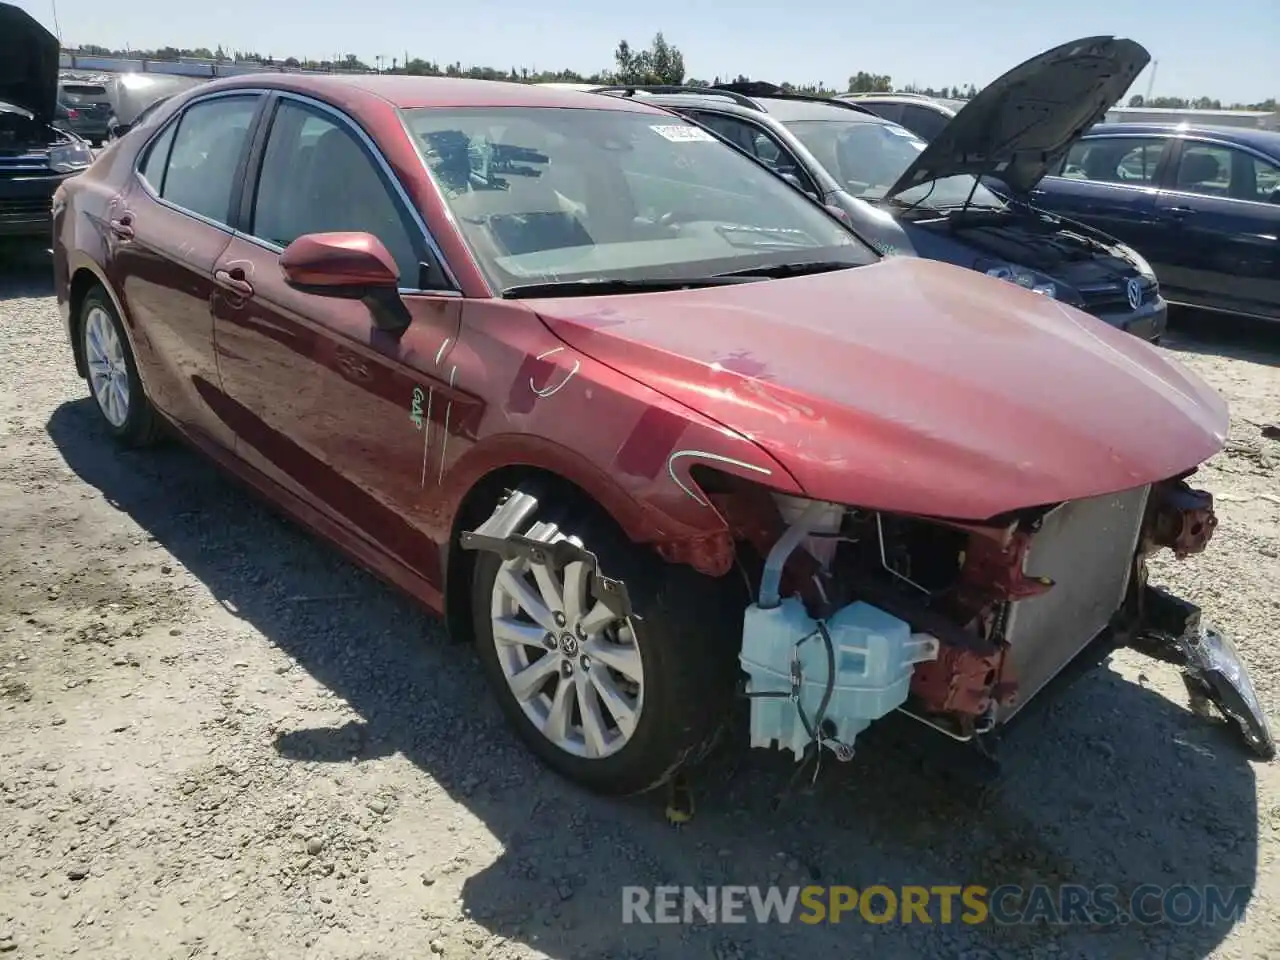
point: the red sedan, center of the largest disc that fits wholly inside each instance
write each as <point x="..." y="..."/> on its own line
<point x="647" y="424"/>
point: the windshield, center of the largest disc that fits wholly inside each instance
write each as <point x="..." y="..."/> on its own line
<point x="549" y="195"/>
<point x="868" y="158"/>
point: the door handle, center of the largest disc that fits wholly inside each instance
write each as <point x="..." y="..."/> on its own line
<point x="122" y="227"/>
<point x="234" y="281"/>
<point x="1179" y="213"/>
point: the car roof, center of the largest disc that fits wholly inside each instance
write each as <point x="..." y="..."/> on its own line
<point x="784" y="109"/>
<point x="1268" y="141"/>
<point x="410" y="92"/>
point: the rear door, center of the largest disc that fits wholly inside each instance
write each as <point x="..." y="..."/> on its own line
<point x="322" y="401"/>
<point x="1111" y="183"/>
<point x="1217" y="208"/>
<point x="167" y="230"/>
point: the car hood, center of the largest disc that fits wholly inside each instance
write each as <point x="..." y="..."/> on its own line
<point x="1020" y="125"/>
<point x="912" y="386"/>
<point x="28" y="63"/>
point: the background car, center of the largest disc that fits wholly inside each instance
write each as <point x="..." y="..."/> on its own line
<point x="906" y="196"/>
<point x="134" y="95"/>
<point x="924" y="116"/>
<point x="1202" y="205"/>
<point x="90" y="98"/>
<point x="36" y="157"/>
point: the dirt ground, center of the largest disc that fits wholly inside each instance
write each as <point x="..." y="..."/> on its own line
<point x="218" y="738"/>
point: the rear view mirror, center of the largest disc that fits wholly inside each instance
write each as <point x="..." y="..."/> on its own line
<point x="350" y="265"/>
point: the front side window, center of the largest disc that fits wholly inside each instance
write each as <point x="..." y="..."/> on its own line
<point x="1130" y="161"/>
<point x="545" y="195"/>
<point x="868" y="158"/>
<point x="202" y="165"/>
<point x="317" y="178"/>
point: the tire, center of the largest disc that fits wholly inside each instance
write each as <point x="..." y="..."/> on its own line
<point x="687" y="633"/>
<point x="107" y="354"/>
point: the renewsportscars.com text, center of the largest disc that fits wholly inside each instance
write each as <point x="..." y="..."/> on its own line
<point x="971" y="904"/>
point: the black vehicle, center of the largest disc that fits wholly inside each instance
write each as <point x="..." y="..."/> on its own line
<point x="35" y="156"/>
<point x="1201" y="203"/>
<point x="908" y="197"/>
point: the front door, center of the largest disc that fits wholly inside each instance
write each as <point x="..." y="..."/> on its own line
<point x="1111" y="183"/>
<point x="167" y="231"/>
<point x="323" y="401"/>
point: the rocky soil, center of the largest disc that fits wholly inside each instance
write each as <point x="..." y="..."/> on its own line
<point x="218" y="738"/>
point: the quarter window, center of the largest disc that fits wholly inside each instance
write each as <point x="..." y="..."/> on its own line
<point x="152" y="169"/>
<point x="924" y="122"/>
<point x="317" y="178"/>
<point x="201" y="169"/>
<point x="1114" y="160"/>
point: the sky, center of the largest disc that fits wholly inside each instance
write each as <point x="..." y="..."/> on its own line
<point x="1226" y="49"/>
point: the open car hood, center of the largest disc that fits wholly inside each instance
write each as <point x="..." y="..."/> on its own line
<point x="28" y="63"/>
<point x="1022" y="124"/>
<point x="911" y="386"/>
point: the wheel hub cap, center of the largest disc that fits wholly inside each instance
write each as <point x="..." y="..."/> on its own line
<point x="572" y="665"/>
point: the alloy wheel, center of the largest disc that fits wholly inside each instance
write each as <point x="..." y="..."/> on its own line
<point x="571" y="664"/>
<point x="108" y="371"/>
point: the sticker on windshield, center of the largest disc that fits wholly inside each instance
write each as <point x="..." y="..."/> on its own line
<point x="681" y="133"/>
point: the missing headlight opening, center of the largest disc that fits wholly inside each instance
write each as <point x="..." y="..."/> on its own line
<point x="860" y="613"/>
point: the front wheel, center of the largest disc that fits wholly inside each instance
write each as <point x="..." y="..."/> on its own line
<point x="617" y="705"/>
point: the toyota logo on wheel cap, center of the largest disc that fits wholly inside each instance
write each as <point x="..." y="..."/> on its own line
<point x="1134" y="290"/>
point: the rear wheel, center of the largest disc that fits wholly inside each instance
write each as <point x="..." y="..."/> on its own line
<point x="113" y="373"/>
<point x="616" y="704"/>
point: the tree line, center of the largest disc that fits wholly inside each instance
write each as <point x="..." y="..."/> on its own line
<point x="659" y="63"/>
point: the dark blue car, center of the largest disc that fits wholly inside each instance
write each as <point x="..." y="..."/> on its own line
<point x="1201" y="204"/>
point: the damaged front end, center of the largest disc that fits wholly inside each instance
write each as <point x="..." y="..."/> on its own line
<point x="959" y="625"/>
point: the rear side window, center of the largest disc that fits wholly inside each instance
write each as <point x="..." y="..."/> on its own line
<point x="201" y="169"/>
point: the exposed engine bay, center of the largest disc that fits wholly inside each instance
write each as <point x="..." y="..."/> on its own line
<point x="22" y="133"/>
<point x="980" y="617"/>
<point x="1071" y="252"/>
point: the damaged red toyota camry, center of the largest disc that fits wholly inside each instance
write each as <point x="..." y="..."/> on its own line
<point x="648" y="426"/>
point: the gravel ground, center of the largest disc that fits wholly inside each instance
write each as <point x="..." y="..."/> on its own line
<point x="218" y="738"/>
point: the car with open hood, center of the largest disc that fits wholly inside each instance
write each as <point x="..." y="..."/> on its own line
<point x="36" y="156"/>
<point x="928" y="199"/>
<point x="643" y="422"/>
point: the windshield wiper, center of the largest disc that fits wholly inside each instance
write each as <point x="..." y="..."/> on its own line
<point x="604" y="286"/>
<point x="797" y="269"/>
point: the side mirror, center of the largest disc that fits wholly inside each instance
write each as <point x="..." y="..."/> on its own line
<point x="117" y="130"/>
<point x="353" y="266"/>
